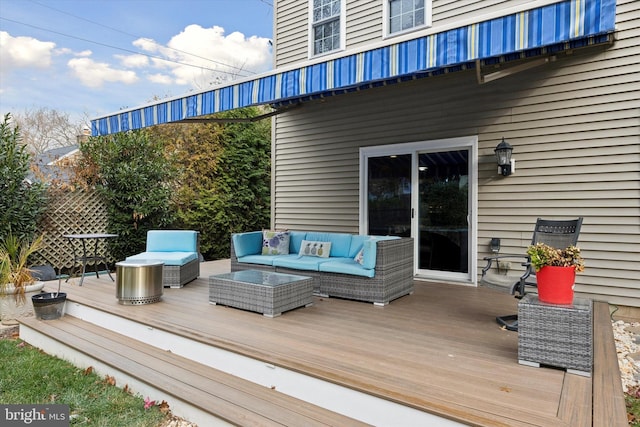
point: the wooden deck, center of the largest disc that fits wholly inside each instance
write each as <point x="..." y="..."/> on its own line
<point x="438" y="350"/>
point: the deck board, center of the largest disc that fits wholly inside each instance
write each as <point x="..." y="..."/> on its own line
<point x="235" y="400"/>
<point x="575" y="402"/>
<point x="609" y="404"/>
<point x="438" y="350"/>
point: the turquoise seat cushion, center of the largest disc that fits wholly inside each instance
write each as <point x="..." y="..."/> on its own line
<point x="346" y="266"/>
<point x="259" y="259"/>
<point x="309" y="263"/>
<point x="247" y="243"/>
<point x="340" y="242"/>
<point x="169" y="258"/>
<point x="172" y="241"/>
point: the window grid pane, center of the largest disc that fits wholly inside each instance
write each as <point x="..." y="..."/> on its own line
<point x="326" y="25"/>
<point x="326" y="37"/>
<point x="405" y="14"/>
<point x="419" y="17"/>
<point x="325" y="9"/>
<point x="394" y="25"/>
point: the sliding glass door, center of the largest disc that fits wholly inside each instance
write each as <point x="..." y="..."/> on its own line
<point x="423" y="190"/>
<point x="443" y="211"/>
<point x="389" y="195"/>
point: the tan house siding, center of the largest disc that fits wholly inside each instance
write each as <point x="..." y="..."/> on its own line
<point x="364" y="22"/>
<point x="575" y="127"/>
<point x="446" y="12"/>
<point x="290" y="32"/>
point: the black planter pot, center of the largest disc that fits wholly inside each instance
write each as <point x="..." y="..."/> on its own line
<point x="49" y="305"/>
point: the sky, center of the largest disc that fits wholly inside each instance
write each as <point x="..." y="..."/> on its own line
<point x="88" y="58"/>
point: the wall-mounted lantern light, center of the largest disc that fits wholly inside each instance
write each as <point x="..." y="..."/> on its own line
<point x="506" y="165"/>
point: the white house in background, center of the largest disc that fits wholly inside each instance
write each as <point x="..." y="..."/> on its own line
<point x="389" y="111"/>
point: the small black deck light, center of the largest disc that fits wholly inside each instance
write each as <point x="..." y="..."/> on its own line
<point x="506" y="165"/>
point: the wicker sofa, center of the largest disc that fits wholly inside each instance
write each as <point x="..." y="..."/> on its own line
<point x="375" y="269"/>
<point x="178" y="250"/>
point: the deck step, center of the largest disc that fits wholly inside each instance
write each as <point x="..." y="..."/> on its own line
<point x="197" y="392"/>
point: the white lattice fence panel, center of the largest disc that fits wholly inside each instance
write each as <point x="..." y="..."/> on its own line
<point x="71" y="212"/>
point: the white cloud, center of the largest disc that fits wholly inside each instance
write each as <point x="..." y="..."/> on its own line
<point x="201" y="56"/>
<point x="160" y="78"/>
<point x="133" y="61"/>
<point x="148" y="45"/>
<point x="95" y="74"/>
<point x="63" y="51"/>
<point x="24" y="52"/>
<point x="67" y="51"/>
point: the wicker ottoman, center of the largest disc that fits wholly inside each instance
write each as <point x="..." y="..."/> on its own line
<point x="556" y="335"/>
<point x="264" y="292"/>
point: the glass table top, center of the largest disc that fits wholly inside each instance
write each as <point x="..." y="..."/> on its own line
<point x="261" y="278"/>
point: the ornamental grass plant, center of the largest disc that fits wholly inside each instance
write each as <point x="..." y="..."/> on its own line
<point x="14" y="267"/>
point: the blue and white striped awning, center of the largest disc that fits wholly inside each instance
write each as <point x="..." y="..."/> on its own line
<point x="544" y="30"/>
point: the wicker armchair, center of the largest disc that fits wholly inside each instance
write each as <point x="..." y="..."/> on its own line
<point x="178" y="250"/>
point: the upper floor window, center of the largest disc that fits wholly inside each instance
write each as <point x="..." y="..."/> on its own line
<point x="406" y="15"/>
<point x="326" y="26"/>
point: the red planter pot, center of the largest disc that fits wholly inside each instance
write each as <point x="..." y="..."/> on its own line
<point x="555" y="284"/>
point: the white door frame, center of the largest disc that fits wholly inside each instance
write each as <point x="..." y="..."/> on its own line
<point x="414" y="148"/>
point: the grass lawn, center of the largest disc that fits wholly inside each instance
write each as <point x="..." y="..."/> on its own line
<point x="633" y="407"/>
<point x="29" y="376"/>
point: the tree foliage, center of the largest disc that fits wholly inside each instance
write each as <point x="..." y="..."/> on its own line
<point x="21" y="201"/>
<point x="131" y="171"/>
<point x="44" y="129"/>
<point x="224" y="177"/>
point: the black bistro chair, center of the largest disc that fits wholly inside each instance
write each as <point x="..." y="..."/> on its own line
<point x="555" y="233"/>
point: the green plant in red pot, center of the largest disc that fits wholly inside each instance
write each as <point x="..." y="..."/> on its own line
<point x="555" y="271"/>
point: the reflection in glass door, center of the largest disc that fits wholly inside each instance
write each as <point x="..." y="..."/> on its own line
<point x="389" y="195"/>
<point x="443" y="211"/>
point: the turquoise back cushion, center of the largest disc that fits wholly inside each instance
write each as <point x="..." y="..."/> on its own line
<point x="295" y="240"/>
<point x="356" y="244"/>
<point x="247" y="243"/>
<point x="172" y="241"/>
<point x="371" y="251"/>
